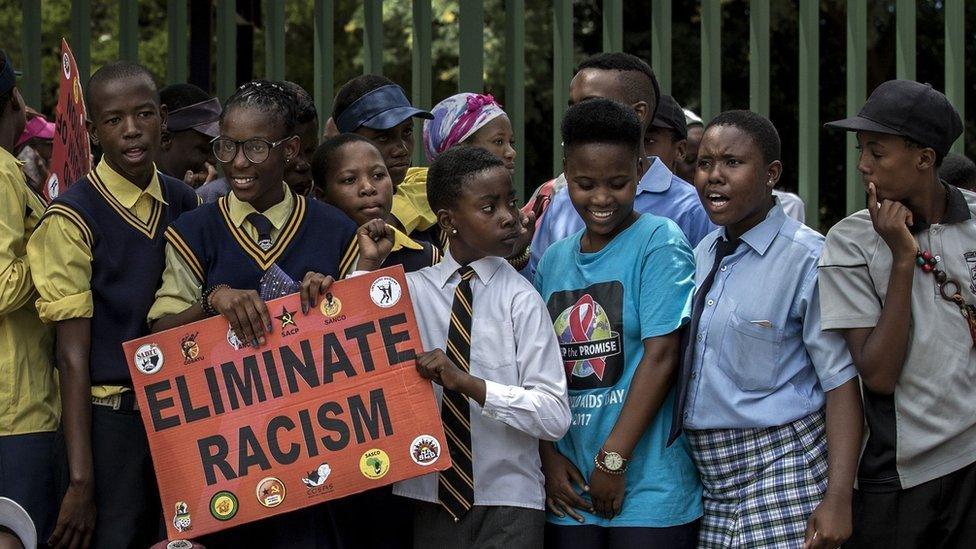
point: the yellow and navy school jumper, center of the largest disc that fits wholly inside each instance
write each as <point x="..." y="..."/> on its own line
<point x="127" y="261"/>
<point x="316" y="237"/>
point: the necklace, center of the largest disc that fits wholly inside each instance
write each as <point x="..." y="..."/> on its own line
<point x="948" y="289"/>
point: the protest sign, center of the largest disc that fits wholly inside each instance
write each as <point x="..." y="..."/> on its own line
<point x="331" y="405"/>
<point x="71" y="152"/>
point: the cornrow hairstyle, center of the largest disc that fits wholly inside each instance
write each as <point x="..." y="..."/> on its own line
<point x="304" y="104"/>
<point x="267" y="97"/>
<point x="637" y="76"/>
<point x="177" y="96"/>
<point x="116" y="70"/>
<point x="326" y="151"/>
<point x="757" y="126"/>
<point x="601" y="121"/>
<point x="451" y="169"/>
<point x="356" y="88"/>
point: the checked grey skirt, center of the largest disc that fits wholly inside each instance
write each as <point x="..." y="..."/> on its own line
<point x="760" y="485"/>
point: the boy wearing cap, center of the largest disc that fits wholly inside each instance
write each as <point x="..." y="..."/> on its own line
<point x="184" y="149"/>
<point x="897" y="280"/>
<point x="29" y="404"/>
<point x="668" y="134"/>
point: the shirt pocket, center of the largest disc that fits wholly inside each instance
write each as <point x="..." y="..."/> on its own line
<point x="750" y="353"/>
<point x="493" y="348"/>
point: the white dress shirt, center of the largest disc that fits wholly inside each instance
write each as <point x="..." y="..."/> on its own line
<point x="514" y="349"/>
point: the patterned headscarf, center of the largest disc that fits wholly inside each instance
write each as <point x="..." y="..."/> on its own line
<point x="456" y="119"/>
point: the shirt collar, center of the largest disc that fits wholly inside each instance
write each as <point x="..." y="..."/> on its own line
<point x="277" y="214"/>
<point x="957" y="210"/>
<point x="401" y="240"/>
<point x="657" y="178"/>
<point x="760" y="237"/>
<point x="484" y="268"/>
<point x="125" y="191"/>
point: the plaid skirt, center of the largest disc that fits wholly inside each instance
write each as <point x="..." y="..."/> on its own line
<point x="760" y="485"/>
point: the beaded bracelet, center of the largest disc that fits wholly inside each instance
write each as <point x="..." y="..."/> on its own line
<point x="208" y="308"/>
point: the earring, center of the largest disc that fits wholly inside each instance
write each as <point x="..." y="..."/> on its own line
<point x="453" y="231"/>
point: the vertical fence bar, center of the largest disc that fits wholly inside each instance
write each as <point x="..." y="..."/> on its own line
<point x="373" y="37"/>
<point x="808" y="172"/>
<point x="81" y="37"/>
<point x="905" y="39"/>
<point x="226" y="48"/>
<point x="562" y="73"/>
<point x="955" y="61"/>
<point x="129" y="30"/>
<point x="422" y="80"/>
<point x="324" y="59"/>
<point x="661" y="43"/>
<point x="30" y="53"/>
<point x="857" y="27"/>
<point x="759" y="56"/>
<point x="472" y="46"/>
<point x="613" y="25"/>
<point x="711" y="58"/>
<point x="515" y="85"/>
<point x="176" y="25"/>
<point x="274" y="39"/>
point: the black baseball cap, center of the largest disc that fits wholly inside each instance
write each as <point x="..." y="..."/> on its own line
<point x="909" y="109"/>
<point x="670" y="115"/>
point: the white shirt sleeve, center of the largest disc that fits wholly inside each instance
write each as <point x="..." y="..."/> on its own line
<point x="539" y="405"/>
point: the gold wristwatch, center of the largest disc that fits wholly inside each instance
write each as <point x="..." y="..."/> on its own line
<point x="611" y="463"/>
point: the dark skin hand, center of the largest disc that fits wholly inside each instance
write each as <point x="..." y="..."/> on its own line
<point x="564" y="484"/>
<point x="831" y="524"/>
<point x="647" y="391"/>
<point x="246" y="311"/>
<point x="435" y="366"/>
<point x="879" y="352"/>
<point x="76" y="518"/>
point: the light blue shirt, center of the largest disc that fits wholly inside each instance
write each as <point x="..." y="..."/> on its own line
<point x="659" y="192"/>
<point x="603" y="306"/>
<point x="761" y="358"/>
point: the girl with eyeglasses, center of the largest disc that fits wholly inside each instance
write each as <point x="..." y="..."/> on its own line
<point x="260" y="242"/>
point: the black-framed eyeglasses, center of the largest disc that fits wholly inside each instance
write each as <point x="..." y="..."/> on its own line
<point x="256" y="150"/>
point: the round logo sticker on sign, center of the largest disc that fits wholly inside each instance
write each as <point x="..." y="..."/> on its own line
<point x="374" y="464"/>
<point x="385" y="291"/>
<point x="223" y="505"/>
<point x="149" y="358"/>
<point x="270" y="492"/>
<point x="424" y="450"/>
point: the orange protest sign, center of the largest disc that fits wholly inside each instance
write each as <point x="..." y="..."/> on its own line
<point x="71" y="151"/>
<point x="331" y="405"/>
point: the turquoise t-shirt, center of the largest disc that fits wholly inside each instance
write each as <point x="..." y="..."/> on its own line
<point x="603" y="305"/>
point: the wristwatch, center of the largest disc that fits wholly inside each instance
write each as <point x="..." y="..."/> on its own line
<point x="611" y="462"/>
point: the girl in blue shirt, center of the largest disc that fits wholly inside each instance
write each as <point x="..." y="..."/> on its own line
<point x="617" y="291"/>
<point x="759" y="374"/>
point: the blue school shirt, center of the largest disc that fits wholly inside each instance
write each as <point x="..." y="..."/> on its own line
<point x="603" y="306"/>
<point x="761" y="358"/>
<point x="659" y="192"/>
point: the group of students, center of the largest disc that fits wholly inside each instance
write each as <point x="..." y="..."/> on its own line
<point x="631" y="359"/>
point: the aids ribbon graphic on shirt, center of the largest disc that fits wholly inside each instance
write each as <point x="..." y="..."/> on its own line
<point x="588" y="324"/>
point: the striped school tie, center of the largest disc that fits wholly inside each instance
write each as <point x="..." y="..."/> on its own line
<point x="263" y="226"/>
<point x="456" y="485"/>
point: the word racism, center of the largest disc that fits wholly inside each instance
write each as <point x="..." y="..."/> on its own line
<point x="278" y="372"/>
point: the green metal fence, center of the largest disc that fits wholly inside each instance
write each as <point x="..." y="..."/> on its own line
<point x="471" y="20"/>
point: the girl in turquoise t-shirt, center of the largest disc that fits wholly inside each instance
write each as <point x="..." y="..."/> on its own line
<point x="618" y="292"/>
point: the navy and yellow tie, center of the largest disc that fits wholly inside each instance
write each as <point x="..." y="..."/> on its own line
<point x="263" y="226"/>
<point x="456" y="485"/>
